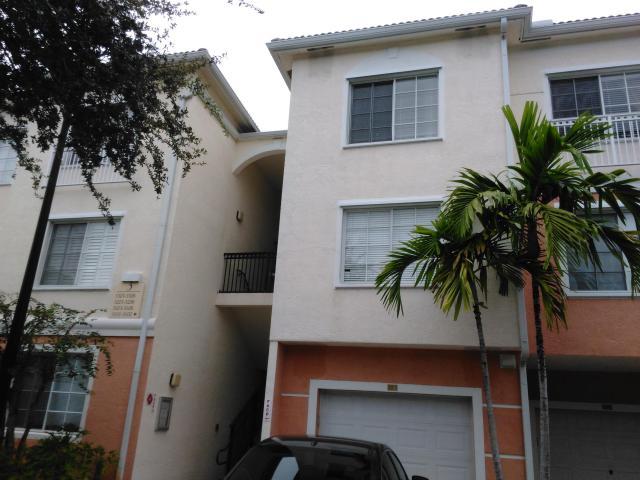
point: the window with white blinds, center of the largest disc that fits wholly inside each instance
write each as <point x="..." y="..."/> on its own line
<point x="369" y="234"/>
<point x="81" y="254"/>
<point x="403" y="108"/>
<point x="8" y="159"/>
<point x="610" y="94"/>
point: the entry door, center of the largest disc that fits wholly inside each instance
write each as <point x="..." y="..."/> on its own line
<point x="432" y="435"/>
<point x="595" y="445"/>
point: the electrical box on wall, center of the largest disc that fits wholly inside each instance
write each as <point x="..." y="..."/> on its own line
<point x="164" y="414"/>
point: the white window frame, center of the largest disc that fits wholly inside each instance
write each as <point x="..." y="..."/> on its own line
<point x="587" y="71"/>
<point x="75" y="218"/>
<point x="39" y="433"/>
<point x="12" y="178"/>
<point x="437" y="71"/>
<point x="343" y="205"/>
<point x="604" y="293"/>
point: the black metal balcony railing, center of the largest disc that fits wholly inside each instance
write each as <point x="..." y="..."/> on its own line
<point x="249" y="272"/>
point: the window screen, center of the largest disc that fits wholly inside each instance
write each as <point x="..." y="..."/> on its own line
<point x="371" y="233"/>
<point x="585" y="276"/>
<point x="571" y="97"/>
<point x="53" y="404"/>
<point x="81" y="254"/>
<point x="399" y="109"/>
<point x="612" y="94"/>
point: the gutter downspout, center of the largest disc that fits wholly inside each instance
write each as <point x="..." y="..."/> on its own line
<point x="147" y="308"/>
<point x="522" y="319"/>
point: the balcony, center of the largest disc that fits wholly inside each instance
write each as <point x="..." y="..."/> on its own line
<point x="248" y="279"/>
<point x="71" y="171"/>
<point x="622" y="148"/>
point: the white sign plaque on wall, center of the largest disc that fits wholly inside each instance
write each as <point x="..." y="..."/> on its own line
<point x="127" y="300"/>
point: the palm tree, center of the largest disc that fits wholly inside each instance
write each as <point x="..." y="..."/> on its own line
<point x="455" y="269"/>
<point x="553" y="167"/>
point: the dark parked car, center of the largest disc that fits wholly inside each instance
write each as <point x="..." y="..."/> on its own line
<point x="319" y="458"/>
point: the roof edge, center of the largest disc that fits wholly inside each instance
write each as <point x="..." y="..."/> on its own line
<point x="227" y="91"/>
<point x="393" y="30"/>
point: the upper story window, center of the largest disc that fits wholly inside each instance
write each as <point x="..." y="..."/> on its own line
<point x="370" y="233"/>
<point x="613" y="276"/>
<point x="81" y="254"/>
<point x="60" y="402"/>
<point x="8" y="159"/>
<point x="401" y="108"/>
<point x="610" y="94"/>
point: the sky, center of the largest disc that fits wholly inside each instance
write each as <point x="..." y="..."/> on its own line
<point x="239" y="34"/>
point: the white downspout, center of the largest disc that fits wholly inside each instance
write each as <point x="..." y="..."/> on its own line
<point x="147" y="308"/>
<point x="522" y="319"/>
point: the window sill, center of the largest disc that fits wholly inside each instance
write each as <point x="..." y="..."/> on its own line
<point x="599" y="294"/>
<point x="34" y="434"/>
<point x="391" y="142"/>
<point x="70" y="287"/>
<point x="342" y="285"/>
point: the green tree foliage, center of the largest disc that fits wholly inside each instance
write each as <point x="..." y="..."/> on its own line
<point x="552" y="168"/>
<point x="59" y="335"/>
<point x="60" y="456"/>
<point x="455" y="269"/>
<point x="98" y="71"/>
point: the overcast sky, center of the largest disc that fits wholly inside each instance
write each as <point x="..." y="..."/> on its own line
<point x="241" y="34"/>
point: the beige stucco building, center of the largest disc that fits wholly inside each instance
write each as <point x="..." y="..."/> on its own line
<point x="381" y="120"/>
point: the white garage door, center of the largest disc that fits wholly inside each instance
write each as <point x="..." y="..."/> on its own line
<point x="433" y="436"/>
<point x="596" y="445"/>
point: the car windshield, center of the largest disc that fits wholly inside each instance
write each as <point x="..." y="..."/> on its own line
<point x="305" y="461"/>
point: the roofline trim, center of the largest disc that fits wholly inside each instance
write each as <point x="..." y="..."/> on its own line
<point x="529" y="31"/>
<point x="227" y="91"/>
<point x="383" y="31"/>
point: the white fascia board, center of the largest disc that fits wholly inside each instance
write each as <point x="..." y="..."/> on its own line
<point x="408" y="28"/>
<point x="531" y="32"/>
<point x="226" y="89"/>
<point x="271" y="135"/>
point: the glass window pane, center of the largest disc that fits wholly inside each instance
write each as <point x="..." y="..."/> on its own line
<point x="383" y="89"/>
<point x="360" y="136"/>
<point x="382" y="104"/>
<point x="582" y="281"/>
<point x="405" y="132"/>
<point x="381" y="134"/>
<point x="427" y="114"/>
<point x="406" y="85"/>
<point x="589" y="102"/>
<point x="611" y="281"/>
<point x="382" y="119"/>
<point x="361" y="91"/>
<point x="404" y="100"/>
<point x="428" y="83"/>
<point x="427" y="98"/>
<point x="361" y="106"/>
<point x="405" y="115"/>
<point x="427" y="130"/>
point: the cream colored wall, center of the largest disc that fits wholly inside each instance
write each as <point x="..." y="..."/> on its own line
<point x="19" y="208"/>
<point x="192" y="336"/>
<point x="319" y="173"/>
<point x="530" y="64"/>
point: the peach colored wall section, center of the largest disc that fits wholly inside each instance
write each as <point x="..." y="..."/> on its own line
<point x="109" y="396"/>
<point x="606" y="327"/>
<point x="298" y="364"/>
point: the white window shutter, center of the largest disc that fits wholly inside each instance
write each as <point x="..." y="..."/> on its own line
<point x="370" y="235"/>
<point x="98" y="254"/>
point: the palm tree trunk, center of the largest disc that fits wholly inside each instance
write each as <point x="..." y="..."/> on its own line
<point x="544" y="442"/>
<point x="486" y="386"/>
